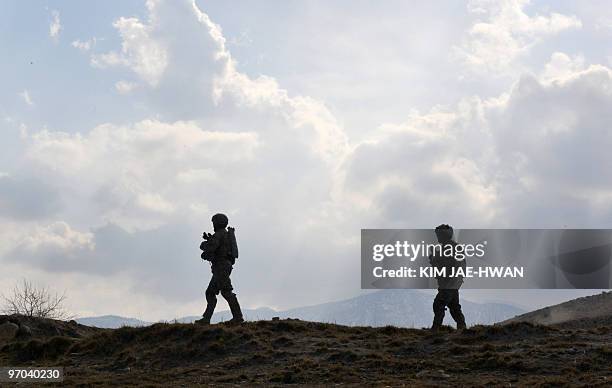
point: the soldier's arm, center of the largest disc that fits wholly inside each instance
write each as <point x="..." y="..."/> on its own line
<point x="213" y="242"/>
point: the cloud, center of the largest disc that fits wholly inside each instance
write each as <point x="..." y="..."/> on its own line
<point x="132" y="172"/>
<point x="502" y="162"/>
<point x="162" y="181"/>
<point x="148" y="258"/>
<point x="182" y="56"/>
<point x="55" y="26"/>
<point x="125" y="87"/>
<point x="532" y="157"/>
<point x="551" y="139"/>
<point x="140" y="52"/>
<point x="423" y="171"/>
<point x="84" y="45"/>
<point x="562" y="66"/>
<point x="142" y="189"/>
<point x="504" y="32"/>
<point x="27" y="198"/>
<point x="266" y="158"/>
<point x="177" y="52"/>
<point x="55" y="247"/>
<point x="25" y="96"/>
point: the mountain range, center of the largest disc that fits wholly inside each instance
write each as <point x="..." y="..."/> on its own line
<point x="402" y="308"/>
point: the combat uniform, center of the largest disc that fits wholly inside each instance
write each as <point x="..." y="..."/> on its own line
<point x="448" y="288"/>
<point x="217" y="250"/>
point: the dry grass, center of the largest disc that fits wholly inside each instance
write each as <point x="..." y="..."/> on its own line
<point x="297" y="352"/>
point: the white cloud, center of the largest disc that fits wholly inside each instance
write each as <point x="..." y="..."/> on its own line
<point x="533" y="157"/>
<point x="125" y="87"/>
<point x="562" y="66"/>
<point x="182" y="55"/>
<point x="56" y="244"/>
<point x="134" y="173"/>
<point x="57" y="236"/>
<point x="424" y="171"/>
<point x="551" y="138"/>
<point x="155" y="203"/>
<point x="84" y="45"/>
<point x="147" y="57"/>
<point x="504" y="32"/>
<point x="25" y="96"/>
<point x="55" y="26"/>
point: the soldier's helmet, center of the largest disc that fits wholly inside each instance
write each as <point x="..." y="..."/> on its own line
<point x="444" y="232"/>
<point x="220" y="221"/>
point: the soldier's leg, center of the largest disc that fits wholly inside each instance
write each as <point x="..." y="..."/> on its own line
<point x="232" y="301"/>
<point x="455" y="310"/>
<point x="225" y="285"/>
<point x="211" y="299"/>
<point x="439" y="305"/>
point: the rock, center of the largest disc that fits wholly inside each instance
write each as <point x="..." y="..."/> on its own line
<point x="8" y="331"/>
<point x="275" y="318"/>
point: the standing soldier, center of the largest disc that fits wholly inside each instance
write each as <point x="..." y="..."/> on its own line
<point x="221" y="250"/>
<point x="448" y="287"/>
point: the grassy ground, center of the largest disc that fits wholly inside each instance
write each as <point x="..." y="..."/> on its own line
<point x="297" y="352"/>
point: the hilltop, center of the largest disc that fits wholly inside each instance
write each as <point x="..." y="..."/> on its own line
<point x="293" y="351"/>
<point x="597" y="308"/>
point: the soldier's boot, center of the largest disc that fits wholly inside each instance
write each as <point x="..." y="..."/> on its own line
<point x="458" y="316"/>
<point x="234" y="306"/>
<point x="202" y="321"/>
<point x="438" y="308"/>
<point x="437" y="323"/>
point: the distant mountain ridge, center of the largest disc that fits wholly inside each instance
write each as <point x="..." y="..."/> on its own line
<point x="588" y="307"/>
<point x="402" y="308"/>
<point x="111" y="321"/>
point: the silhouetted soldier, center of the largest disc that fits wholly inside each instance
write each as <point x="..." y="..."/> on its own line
<point x="448" y="287"/>
<point x="221" y="250"/>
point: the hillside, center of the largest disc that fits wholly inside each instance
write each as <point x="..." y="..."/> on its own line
<point x="292" y="351"/>
<point x="402" y="308"/>
<point x="595" y="307"/>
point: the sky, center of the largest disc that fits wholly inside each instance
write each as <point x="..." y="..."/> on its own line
<point x="124" y="125"/>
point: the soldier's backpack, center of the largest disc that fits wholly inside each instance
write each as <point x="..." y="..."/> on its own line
<point x="233" y="245"/>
